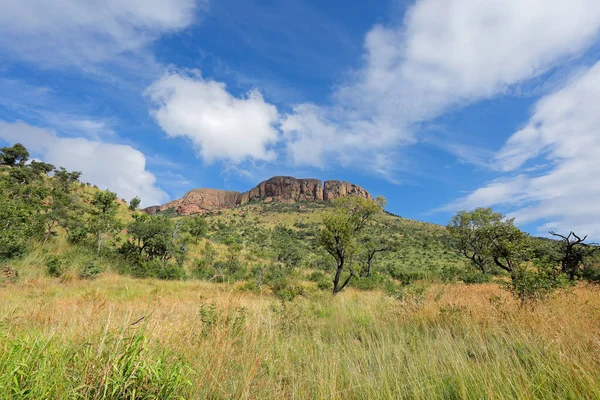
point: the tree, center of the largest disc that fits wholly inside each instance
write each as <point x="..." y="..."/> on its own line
<point x="382" y="201"/>
<point x="484" y="236"/>
<point x="373" y="244"/>
<point x="134" y="203"/>
<point x="104" y="216"/>
<point x="41" y="167"/>
<point x="196" y="226"/>
<point x="62" y="208"/>
<point x="573" y="252"/>
<point x="341" y="228"/>
<point x="155" y="237"/>
<point x="468" y="231"/>
<point x="15" y="155"/>
<point x="286" y="250"/>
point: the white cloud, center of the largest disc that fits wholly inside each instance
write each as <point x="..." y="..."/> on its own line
<point x="564" y="131"/>
<point x="221" y="126"/>
<point x="74" y="31"/>
<point x="446" y="53"/>
<point x="120" y="168"/>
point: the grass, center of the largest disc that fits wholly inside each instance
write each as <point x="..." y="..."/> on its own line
<point x="116" y="337"/>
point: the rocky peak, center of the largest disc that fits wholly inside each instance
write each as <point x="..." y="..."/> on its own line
<point x="336" y="189"/>
<point x="285" y="189"/>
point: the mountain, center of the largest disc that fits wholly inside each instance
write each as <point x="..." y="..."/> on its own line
<point x="284" y="189"/>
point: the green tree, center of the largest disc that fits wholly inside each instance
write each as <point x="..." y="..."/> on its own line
<point x="484" y="236"/>
<point x="62" y="208"/>
<point x="469" y="235"/>
<point x="15" y="155"/>
<point x="41" y="167"/>
<point x="340" y="232"/>
<point x="372" y="244"/>
<point x="196" y="226"/>
<point x="382" y="201"/>
<point x="104" y="216"/>
<point x="134" y="203"/>
<point x="156" y="238"/>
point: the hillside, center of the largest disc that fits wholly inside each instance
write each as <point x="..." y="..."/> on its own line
<point x="229" y="295"/>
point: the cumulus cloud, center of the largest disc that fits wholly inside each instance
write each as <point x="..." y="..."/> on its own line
<point x="120" y="168"/>
<point x="72" y="31"/>
<point x="445" y="53"/>
<point x="563" y="133"/>
<point x="220" y="125"/>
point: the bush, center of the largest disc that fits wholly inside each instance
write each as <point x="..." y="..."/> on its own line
<point x="473" y="277"/>
<point x="529" y="286"/>
<point x="171" y="272"/>
<point x="203" y="270"/>
<point x="316" y="276"/>
<point x="285" y="290"/>
<point x="450" y="273"/>
<point x="374" y="282"/>
<point x="89" y="270"/>
<point x="54" y="266"/>
<point x="325" y="284"/>
<point x="591" y="273"/>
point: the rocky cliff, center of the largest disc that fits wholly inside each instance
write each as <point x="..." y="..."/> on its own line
<point x="284" y="189"/>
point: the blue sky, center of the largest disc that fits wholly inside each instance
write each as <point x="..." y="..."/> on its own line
<point x="438" y="105"/>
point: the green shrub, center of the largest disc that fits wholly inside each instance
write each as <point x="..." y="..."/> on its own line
<point x="325" y="285"/>
<point x="54" y="266"/>
<point x="529" y="286"/>
<point x="89" y="270"/>
<point x="203" y="270"/>
<point x="171" y="272"/>
<point x="472" y="276"/>
<point x="285" y="290"/>
<point x="591" y="273"/>
<point x="316" y="276"/>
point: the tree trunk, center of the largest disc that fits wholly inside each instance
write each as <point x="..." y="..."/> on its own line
<point x="338" y="275"/>
<point x="99" y="242"/>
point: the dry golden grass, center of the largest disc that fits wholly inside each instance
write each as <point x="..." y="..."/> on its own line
<point x="464" y="341"/>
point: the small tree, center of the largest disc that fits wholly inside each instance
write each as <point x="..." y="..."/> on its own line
<point x="341" y="228"/>
<point x="104" y="216"/>
<point x="15" y="155"/>
<point x="382" y="201"/>
<point x="573" y="252"/>
<point x="41" y="167"/>
<point x="196" y="226"/>
<point x="373" y="244"/>
<point x="134" y="203"/>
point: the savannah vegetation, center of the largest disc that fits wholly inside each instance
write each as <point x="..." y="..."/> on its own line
<point x="306" y="300"/>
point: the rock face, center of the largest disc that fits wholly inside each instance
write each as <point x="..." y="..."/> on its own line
<point x="336" y="189"/>
<point x="285" y="189"/>
<point x="202" y="200"/>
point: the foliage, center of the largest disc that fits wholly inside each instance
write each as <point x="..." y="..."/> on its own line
<point x="15" y="155"/>
<point x="89" y="270"/>
<point x="529" y="285"/>
<point x="341" y="228"/>
<point x="484" y="236"/>
<point x="104" y="216"/>
<point x="54" y="266"/>
<point x="196" y="226"/>
<point x="134" y="203"/>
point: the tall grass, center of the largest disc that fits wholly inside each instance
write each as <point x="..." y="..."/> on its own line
<point x="200" y="340"/>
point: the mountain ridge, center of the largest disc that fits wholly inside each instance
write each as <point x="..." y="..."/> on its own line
<point x="285" y="189"/>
